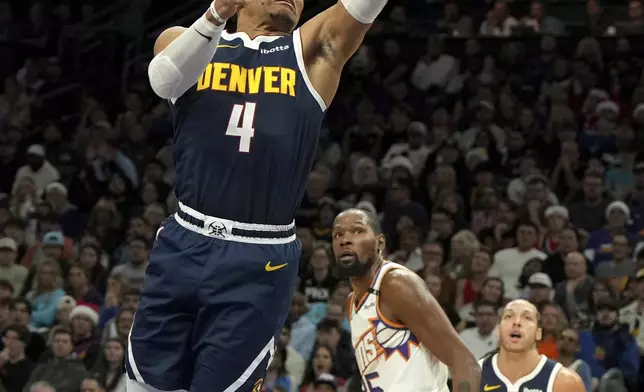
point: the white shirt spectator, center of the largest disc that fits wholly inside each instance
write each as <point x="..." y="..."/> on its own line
<point x="44" y="175"/>
<point x="508" y="264"/>
<point x="478" y="344"/>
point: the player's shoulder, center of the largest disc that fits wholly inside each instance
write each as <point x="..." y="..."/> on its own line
<point x="397" y="275"/>
<point x="567" y="380"/>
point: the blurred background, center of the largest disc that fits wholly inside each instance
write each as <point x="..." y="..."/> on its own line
<point x="500" y="142"/>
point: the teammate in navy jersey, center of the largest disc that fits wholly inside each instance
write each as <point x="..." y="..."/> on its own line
<point x="247" y="109"/>
<point x="518" y="366"/>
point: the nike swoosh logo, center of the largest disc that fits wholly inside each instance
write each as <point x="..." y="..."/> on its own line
<point x="203" y="35"/>
<point x="227" y="46"/>
<point x="271" y="268"/>
<point x="487" y="388"/>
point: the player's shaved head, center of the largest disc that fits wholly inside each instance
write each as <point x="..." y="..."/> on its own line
<point x="370" y="219"/>
<point x="520" y="305"/>
<point x="358" y="242"/>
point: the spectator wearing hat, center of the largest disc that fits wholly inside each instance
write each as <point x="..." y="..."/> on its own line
<point x="540" y="288"/>
<point x="608" y="344"/>
<point x="572" y="293"/>
<point x="84" y="321"/>
<point x="554" y="265"/>
<point x="15" y="366"/>
<point x="633" y="316"/>
<point x="61" y="369"/>
<point x="71" y="220"/>
<point x="38" y="168"/>
<point x="63" y="309"/>
<point x="53" y="245"/>
<point x="325" y="382"/>
<point x="556" y="219"/>
<point x="16" y="274"/>
<point x="599" y="247"/>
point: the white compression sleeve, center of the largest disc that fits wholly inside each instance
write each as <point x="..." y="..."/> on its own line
<point x="180" y="65"/>
<point x="364" y="11"/>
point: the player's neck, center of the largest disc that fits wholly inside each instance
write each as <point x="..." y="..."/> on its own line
<point x="516" y="365"/>
<point x="361" y="284"/>
<point x="254" y="30"/>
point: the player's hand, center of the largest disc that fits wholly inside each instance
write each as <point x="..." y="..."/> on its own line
<point x="227" y="8"/>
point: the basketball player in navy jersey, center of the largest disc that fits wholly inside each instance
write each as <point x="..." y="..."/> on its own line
<point x="403" y="341"/>
<point x="247" y="109"/>
<point x="518" y="366"/>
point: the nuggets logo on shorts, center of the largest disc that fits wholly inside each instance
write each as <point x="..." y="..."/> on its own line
<point x="258" y="385"/>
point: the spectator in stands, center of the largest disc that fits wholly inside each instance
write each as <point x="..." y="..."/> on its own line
<point x="483" y="338"/>
<point x="599" y="244"/>
<point x="80" y="288"/>
<point x="318" y="282"/>
<point x="16" y="274"/>
<point x="322" y="362"/>
<point x="109" y="369"/>
<point x="540" y="288"/>
<point x="330" y="335"/>
<point x="84" y="321"/>
<point x="572" y="294"/>
<point x="302" y="329"/>
<point x="45" y="293"/>
<point x="133" y="272"/>
<point x="467" y="290"/>
<point x="63" y="371"/>
<point x="554" y="265"/>
<point x="119" y="327"/>
<point x="71" y="221"/>
<point x="609" y="345"/>
<point x="294" y="363"/>
<point x="15" y="366"/>
<point x="38" y="169"/>
<point x="568" y="348"/>
<point x="508" y="263"/>
<point x="553" y="321"/>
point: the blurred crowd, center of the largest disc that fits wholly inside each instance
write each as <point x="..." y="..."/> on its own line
<point x="499" y="142"/>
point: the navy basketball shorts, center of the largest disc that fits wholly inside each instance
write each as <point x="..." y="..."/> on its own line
<point x="216" y="296"/>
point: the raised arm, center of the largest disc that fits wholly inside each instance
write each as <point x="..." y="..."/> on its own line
<point x="404" y="295"/>
<point x="332" y="37"/>
<point x="181" y="54"/>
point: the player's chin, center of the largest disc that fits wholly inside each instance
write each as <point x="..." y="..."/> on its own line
<point x="284" y="16"/>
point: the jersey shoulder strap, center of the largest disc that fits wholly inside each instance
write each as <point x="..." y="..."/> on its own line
<point x="386" y="267"/>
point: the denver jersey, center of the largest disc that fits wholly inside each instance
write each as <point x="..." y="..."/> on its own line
<point x="390" y="357"/>
<point x="541" y="379"/>
<point x="246" y="133"/>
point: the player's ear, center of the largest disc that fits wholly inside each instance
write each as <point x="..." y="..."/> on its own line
<point x="539" y="334"/>
<point x="380" y="243"/>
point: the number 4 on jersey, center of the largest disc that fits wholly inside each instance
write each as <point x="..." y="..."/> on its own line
<point x="242" y="127"/>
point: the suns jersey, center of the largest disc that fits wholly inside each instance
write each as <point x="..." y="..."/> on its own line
<point x="390" y="357"/>
<point x="541" y="379"/>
